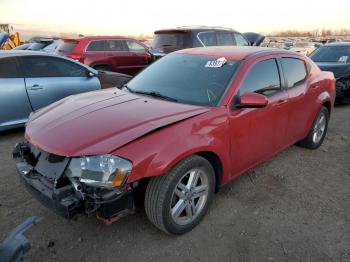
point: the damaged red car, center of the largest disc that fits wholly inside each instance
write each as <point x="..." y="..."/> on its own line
<point x="188" y="124"/>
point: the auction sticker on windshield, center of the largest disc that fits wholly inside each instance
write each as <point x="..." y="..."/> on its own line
<point x="217" y="63"/>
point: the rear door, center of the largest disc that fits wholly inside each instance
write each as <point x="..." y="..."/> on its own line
<point x="14" y="104"/>
<point x="295" y="72"/>
<point x="118" y="56"/>
<point x="140" y="57"/>
<point x="95" y="53"/>
<point x="49" y="79"/>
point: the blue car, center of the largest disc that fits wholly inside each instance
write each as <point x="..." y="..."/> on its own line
<point x="31" y="80"/>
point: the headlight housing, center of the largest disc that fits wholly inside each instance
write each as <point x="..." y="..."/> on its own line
<point x="100" y="171"/>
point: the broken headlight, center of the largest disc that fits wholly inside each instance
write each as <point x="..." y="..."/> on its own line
<point x="100" y="171"/>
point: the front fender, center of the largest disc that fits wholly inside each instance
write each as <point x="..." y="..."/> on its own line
<point x="156" y="153"/>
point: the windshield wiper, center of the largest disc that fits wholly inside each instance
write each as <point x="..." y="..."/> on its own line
<point x="155" y="94"/>
<point x="128" y="88"/>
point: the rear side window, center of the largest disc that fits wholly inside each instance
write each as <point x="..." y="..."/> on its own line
<point x="225" y="38"/>
<point x="294" y="70"/>
<point x="240" y="40"/>
<point x="135" y="47"/>
<point x="169" y="42"/>
<point x="263" y="78"/>
<point x="96" y="46"/>
<point x="41" y="66"/>
<point x="115" y="45"/>
<point x="8" y="68"/>
<point x="208" y="38"/>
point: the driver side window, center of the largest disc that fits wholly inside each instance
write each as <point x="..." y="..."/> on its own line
<point x="263" y="78"/>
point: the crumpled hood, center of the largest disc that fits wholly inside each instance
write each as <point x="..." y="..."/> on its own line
<point x="338" y="69"/>
<point x="102" y="121"/>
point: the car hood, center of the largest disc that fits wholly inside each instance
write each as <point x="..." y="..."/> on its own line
<point x="102" y="121"/>
<point x="338" y="69"/>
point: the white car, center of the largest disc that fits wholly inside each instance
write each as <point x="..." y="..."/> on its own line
<point x="304" y="48"/>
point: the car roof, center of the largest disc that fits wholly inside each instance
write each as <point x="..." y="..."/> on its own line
<point x="338" y="44"/>
<point x="11" y="53"/>
<point x="14" y="53"/>
<point x="95" y="38"/>
<point x="194" y="28"/>
<point x="235" y="53"/>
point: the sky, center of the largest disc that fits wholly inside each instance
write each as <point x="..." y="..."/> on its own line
<point x="111" y="17"/>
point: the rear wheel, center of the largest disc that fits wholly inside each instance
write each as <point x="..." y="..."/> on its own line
<point x="178" y="201"/>
<point x="318" y="130"/>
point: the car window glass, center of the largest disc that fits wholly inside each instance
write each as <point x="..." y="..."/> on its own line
<point x="331" y="53"/>
<point x="8" y="68"/>
<point x="169" y="42"/>
<point x="225" y="38"/>
<point x="115" y="45"/>
<point x="208" y="38"/>
<point x="135" y="47"/>
<point x="263" y="78"/>
<point x="240" y="40"/>
<point x="36" y="66"/>
<point x="187" y="78"/>
<point x="295" y="71"/>
<point x="66" y="47"/>
<point x="96" y="46"/>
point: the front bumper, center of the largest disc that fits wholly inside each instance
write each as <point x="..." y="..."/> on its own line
<point x="44" y="181"/>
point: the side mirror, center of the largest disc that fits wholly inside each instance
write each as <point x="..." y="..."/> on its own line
<point x="252" y="100"/>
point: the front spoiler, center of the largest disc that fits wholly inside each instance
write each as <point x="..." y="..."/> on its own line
<point x="63" y="201"/>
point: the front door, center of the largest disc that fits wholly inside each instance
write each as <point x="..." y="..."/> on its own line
<point x="14" y="104"/>
<point x="258" y="133"/>
<point x="49" y="79"/>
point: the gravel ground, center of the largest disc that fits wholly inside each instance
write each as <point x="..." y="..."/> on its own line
<point x="295" y="207"/>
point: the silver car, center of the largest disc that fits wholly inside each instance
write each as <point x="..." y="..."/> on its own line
<point x="31" y="80"/>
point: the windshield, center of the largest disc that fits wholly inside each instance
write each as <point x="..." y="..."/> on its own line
<point x="189" y="79"/>
<point x="331" y="54"/>
<point x="169" y="42"/>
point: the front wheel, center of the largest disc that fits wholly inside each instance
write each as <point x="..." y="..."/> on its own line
<point x="318" y="130"/>
<point x="176" y="202"/>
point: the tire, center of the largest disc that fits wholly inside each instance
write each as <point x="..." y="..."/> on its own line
<point x="310" y="141"/>
<point x="163" y="193"/>
<point x="103" y="68"/>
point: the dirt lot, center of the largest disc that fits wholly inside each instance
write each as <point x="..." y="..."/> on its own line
<point x="296" y="207"/>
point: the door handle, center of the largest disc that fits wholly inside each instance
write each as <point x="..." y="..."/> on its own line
<point x="35" y="87"/>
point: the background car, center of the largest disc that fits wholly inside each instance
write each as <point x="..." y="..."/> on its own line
<point x="31" y="80"/>
<point x="118" y="54"/>
<point x="174" y="140"/>
<point x="304" y="48"/>
<point x="40" y="44"/>
<point x="335" y="57"/>
<point x="170" y="40"/>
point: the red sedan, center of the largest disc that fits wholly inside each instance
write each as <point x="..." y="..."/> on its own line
<point x="188" y="124"/>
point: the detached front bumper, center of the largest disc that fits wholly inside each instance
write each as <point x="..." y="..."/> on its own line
<point x="46" y="182"/>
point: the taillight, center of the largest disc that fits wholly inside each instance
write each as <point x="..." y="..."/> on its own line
<point x="75" y="57"/>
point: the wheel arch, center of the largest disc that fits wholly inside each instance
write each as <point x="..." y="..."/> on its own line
<point x="216" y="163"/>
